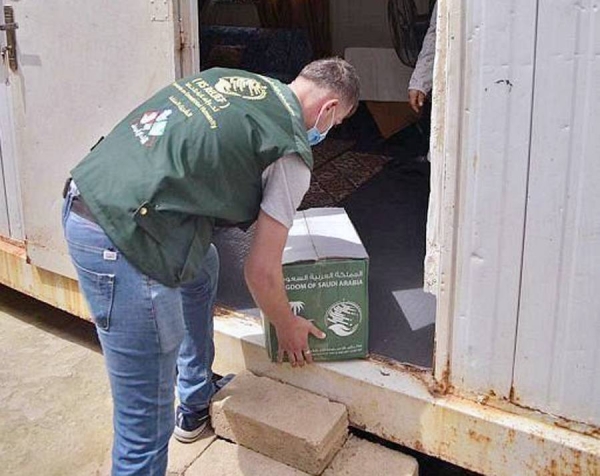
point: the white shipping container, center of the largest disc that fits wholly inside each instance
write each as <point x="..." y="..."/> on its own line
<point x="515" y="165"/>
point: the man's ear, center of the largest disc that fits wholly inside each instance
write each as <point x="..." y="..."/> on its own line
<point x="331" y="103"/>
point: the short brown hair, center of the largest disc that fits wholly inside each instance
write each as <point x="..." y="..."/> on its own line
<point x="337" y="75"/>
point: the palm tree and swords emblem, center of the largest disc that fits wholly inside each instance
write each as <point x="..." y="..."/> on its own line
<point x="343" y="317"/>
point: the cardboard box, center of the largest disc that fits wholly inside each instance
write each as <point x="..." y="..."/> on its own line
<point x="391" y="117"/>
<point x="325" y="267"/>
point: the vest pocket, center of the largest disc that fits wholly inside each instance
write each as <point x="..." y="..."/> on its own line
<point x="182" y="239"/>
<point x="151" y="222"/>
<point x="98" y="290"/>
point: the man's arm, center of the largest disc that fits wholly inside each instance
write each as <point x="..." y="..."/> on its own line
<point x="264" y="276"/>
<point x="421" y="80"/>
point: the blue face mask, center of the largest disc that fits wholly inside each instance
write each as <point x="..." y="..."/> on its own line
<point x="314" y="135"/>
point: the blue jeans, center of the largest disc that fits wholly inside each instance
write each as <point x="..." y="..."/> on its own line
<point x="146" y="330"/>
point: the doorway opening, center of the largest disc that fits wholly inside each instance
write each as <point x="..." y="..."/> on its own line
<point x="374" y="165"/>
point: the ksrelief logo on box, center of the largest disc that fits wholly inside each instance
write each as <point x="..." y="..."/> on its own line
<point x="343" y="318"/>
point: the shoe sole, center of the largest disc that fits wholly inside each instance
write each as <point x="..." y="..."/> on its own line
<point x="184" y="436"/>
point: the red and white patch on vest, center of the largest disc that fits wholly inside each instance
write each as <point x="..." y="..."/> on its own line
<point x="151" y="126"/>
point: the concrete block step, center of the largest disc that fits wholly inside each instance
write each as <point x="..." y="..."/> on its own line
<point x="183" y="455"/>
<point x="287" y="424"/>
<point x="227" y="459"/>
<point x="360" y="457"/>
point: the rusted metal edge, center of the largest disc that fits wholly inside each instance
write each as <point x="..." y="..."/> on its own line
<point x="58" y="291"/>
<point x="227" y="312"/>
<point x="513" y="406"/>
<point x="13" y="247"/>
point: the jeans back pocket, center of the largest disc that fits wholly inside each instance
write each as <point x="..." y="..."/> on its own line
<point x="98" y="290"/>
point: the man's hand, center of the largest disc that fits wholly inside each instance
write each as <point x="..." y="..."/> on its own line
<point x="292" y="335"/>
<point x="416" y="99"/>
<point x="264" y="277"/>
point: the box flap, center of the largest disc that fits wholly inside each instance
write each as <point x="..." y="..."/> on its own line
<point x="321" y="233"/>
<point x="299" y="246"/>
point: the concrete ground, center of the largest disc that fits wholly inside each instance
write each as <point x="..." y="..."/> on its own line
<point x="55" y="412"/>
<point x="55" y="417"/>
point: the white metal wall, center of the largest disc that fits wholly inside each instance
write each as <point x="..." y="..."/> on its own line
<point x="494" y="130"/>
<point x="557" y="366"/>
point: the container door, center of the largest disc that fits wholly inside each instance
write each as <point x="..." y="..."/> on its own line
<point x="10" y="203"/>
<point x="81" y="67"/>
<point x="557" y="355"/>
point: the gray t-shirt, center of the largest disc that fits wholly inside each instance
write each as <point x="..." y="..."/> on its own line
<point x="285" y="182"/>
<point x="422" y="77"/>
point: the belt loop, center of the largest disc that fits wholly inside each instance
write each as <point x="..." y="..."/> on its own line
<point x="68" y="202"/>
<point x="66" y="187"/>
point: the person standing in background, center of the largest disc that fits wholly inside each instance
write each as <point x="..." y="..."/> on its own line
<point x="421" y="81"/>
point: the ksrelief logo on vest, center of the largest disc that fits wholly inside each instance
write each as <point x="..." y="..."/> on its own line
<point x="245" y="88"/>
<point x="343" y="318"/>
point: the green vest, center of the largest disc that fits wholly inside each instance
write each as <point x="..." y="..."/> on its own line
<point x="188" y="159"/>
